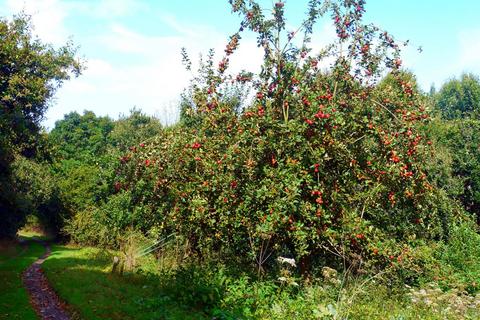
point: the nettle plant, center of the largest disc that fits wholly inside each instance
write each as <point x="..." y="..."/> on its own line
<point x="323" y="165"/>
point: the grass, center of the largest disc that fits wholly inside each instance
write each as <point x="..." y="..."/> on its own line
<point x="9" y="249"/>
<point x="14" y="300"/>
<point x="32" y="234"/>
<point x="82" y="277"/>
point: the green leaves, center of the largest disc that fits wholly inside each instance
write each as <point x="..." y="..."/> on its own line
<point x="30" y="74"/>
<point x="312" y="161"/>
<point x="459" y="98"/>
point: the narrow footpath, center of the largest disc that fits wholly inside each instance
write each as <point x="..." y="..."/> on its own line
<point x="44" y="300"/>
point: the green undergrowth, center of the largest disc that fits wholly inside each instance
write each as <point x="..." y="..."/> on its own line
<point x="14" y="259"/>
<point x="83" y="278"/>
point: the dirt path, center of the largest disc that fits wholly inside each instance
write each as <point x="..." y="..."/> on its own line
<point x="44" y="300"/>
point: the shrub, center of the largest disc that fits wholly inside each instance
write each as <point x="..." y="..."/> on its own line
<point x="459" y="98"/>
<point x="37" y="193"/>
<point x="322" y="165"/>
<point x="457" y="265"/>
<point x="461" y="139"/>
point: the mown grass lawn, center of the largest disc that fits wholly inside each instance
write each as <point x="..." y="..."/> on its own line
<point x="82" y="277"/>
<point x="14" y="300"/>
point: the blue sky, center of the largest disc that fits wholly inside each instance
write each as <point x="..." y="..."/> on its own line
<point x="132" y="47"/>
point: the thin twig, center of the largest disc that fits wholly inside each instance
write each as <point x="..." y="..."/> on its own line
<point x="385" y="107"/>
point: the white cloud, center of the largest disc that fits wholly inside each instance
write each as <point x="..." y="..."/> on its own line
<point x="47" y="17"/>
<point x="107" y="89"/>
<point x="127" y="68"/>
<point x="123" y="40"/>
<point x="151" y="75"/>
<point x="152" y="79"/>
<point x="98" y="67"/>
<point x="157" y="76"/>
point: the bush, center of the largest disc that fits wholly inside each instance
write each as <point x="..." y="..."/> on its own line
<point x="457" y="265"/>
<point x="460" y="98"/>
<point x="327" y="167"/>
<point x="458" y="140"/>
<point x="104" y="225"/>
<point x="38" y="193"/>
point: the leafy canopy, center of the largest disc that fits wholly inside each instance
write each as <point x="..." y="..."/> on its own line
<point x="30" y="74"/>
<point x="460" y="98"/>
